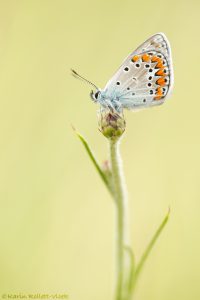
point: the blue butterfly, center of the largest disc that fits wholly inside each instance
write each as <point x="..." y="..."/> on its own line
<point x="144" y="79"/>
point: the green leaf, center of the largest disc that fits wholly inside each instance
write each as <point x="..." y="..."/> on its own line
<point x="131" y="269"/>
<point x="148" y="250"/>
<point x="94" y="161"/>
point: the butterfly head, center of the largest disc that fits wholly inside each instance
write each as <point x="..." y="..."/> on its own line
<point x="95" y="95"/>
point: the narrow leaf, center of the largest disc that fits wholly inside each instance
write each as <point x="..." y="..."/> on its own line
<point x="94" y="161"/>
<point x="148" y="250"/>
<point x="131" y="270"/>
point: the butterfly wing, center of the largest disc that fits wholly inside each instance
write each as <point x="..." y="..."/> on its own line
<point x="145" y="78"/>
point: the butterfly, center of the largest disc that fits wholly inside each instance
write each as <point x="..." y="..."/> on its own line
<point x="144" y="79"/>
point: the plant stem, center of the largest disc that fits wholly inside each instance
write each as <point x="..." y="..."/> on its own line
<point x="120" y="197"/>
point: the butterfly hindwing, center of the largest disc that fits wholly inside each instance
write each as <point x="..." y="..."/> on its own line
<point x="145" y="78"/>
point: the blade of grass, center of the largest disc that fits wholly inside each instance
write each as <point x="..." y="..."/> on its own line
<point x="148" y="250"/>
<point x="131" y="271"/>
<point x="94" y="161"/>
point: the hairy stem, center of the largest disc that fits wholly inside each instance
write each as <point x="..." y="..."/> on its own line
<point x="122" y="241"/>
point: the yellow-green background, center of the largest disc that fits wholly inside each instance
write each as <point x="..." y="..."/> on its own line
<point x="56" y="217"/>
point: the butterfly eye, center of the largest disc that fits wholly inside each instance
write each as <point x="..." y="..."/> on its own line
<point x="96" y="95"/>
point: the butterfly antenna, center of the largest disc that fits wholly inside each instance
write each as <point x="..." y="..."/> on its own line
<point x="76" y="75"/>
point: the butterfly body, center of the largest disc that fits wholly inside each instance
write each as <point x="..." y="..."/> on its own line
<point x="144" y="79"/>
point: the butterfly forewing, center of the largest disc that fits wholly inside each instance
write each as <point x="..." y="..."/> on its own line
<point x="145" y="78"/>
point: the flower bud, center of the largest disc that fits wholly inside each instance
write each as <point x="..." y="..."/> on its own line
<point x="111" y="123"/>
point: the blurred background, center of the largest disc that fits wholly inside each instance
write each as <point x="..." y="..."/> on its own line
<point x="56" y="216"/>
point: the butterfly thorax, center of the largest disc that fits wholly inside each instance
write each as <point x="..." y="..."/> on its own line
<point x="108" y="99"/>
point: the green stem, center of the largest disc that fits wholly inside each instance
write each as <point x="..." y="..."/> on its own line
<point x="120" y="198"/>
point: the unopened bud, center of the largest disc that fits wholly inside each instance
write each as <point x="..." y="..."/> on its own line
<point x="111" y="123"/>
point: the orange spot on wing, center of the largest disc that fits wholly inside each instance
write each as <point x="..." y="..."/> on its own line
<point x="156" y="59"/>
<point x="160" y="72"/>
<point x="157" y="98"/>
<point x="159" y="65"/>
<point x="159" y="94"/>
<point x="145" y="57"/>
<point x="159" y="91"/>
<point x="135" y="58"/>
<point x="161" y="81"/>
<point x="159" y="61"/>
